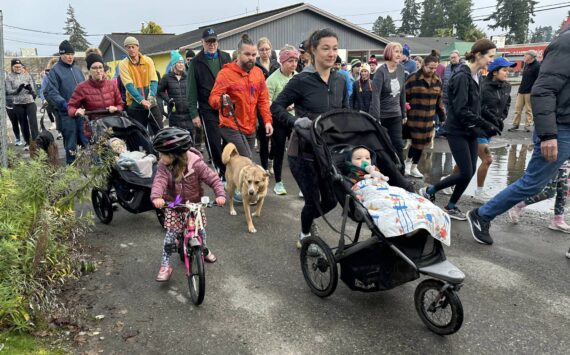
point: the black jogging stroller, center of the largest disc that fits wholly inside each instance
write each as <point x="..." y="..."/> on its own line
<point x="377" y="263"/>
<point x="126" y="188"/>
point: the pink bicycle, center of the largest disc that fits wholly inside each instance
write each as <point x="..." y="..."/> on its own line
<point x="190" y="245"/>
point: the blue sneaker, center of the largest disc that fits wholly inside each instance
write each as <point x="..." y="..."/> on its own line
<point x="237" y="197"/>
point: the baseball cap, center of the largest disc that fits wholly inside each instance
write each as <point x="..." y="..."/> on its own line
<point x="209" y="33"/>
<point x="500" y="62"/>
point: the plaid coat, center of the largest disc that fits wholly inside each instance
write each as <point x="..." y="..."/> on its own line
<point x="425" y="96"/>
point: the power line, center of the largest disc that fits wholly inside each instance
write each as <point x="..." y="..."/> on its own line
<point x="26" y="42"/>
<point x="206" y="21"/>
<point x="48" y="32"/>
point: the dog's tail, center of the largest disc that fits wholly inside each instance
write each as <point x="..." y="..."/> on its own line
<point x="230" y="151"/>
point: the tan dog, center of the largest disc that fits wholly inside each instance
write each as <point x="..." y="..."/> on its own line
<point x="250" y="179"/>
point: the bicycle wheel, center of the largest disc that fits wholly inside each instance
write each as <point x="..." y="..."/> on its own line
<point x="196" y="275"/>
<point x="441" y="312"/>
<point x="102" y="205"/>
<point x="319" y="266"/>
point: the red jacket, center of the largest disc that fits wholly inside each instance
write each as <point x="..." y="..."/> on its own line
<point x="189" y="188"/>
<point x="94" y="95"/>
<point x="248" y="93"/>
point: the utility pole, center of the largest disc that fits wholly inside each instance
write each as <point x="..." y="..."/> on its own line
<point x="3" y="124"/>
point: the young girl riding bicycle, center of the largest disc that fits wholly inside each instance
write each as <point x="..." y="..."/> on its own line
<point x="181" y="172"/>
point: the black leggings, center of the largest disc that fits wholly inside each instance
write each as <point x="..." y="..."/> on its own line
<point x="27" y="116"/>
<point x="313" y="191"/>
<point x="263" y="142"/>
<point x="394" y="127"/>
<point x="14" y="120"/>
<point x="278" y="141"/>
<point x="464" y="151"/>
<point x="415" y="154"/>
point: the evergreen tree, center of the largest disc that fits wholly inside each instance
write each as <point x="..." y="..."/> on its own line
<point x="75" y="31"/>
<point x="378" y="25"/>
<point x="514" y="16"/>
<point x="473" y="34"/>
<point x="460" y="17"/>
<point x="410" y="18"/>
<point x="151" y="28"/>
<point x="431" y="18"/>
<point x="541" y="34"/>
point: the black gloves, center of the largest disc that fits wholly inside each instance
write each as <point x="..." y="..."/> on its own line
<point x="20" y="88"/>
<point x="491" y="130"/>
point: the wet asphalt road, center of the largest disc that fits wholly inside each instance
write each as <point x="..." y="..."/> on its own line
<point x="516" y="295"/>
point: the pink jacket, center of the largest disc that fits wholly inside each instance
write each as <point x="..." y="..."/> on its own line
<point x="190" y="188"/>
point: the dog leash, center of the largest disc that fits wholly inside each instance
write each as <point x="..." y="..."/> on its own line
<point x="231" y="113"/>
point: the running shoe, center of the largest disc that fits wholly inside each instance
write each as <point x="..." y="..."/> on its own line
<point x="481" y="196"/>
<point x="512" y="129"/>
<point x="479" y="227"/>
<point x="237" y="197"/>
<point x="560" y="226"/>
<point x="414" y="172"/>
<point x="279" y="188"/>
<point x="515" y="214"/>
<point x="423" y="192"/>
<point x="455" y="213"/>
<point x="407" y="167"/>
<point x="18" y="143"/>
<point x="164" y="274"/>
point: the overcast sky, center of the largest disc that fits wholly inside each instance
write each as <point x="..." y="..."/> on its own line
<point x="178" y="16"/>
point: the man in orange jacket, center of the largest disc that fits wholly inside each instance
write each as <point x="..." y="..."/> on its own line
<point x="244" y="84"/>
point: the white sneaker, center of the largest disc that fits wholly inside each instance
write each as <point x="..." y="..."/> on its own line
<point x="481" y="196"/>
<point x="271" y="171"/>
<point x="414" y="172"/>
<point x="408" y="144"/>
<point x="447" y="190"/>
<point x="559" y="226"/>
<point x="407" y="166"/>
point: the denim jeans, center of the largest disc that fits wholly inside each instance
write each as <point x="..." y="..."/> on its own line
<point x="72" y="131"/>
<point x="538" y="173"/>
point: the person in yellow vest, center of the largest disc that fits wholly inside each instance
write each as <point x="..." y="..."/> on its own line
<point x="138" y="75"/>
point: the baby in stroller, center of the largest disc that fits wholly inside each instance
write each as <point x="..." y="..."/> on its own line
<point x="394" y="210"/>
<point x="139" y="163"/>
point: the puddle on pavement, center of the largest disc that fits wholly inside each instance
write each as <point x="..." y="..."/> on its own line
<point x="508" y="165"/>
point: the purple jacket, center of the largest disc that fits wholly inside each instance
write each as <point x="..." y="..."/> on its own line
<point x="189" y="188"/>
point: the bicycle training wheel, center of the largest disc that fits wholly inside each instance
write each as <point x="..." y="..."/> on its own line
<point x="319" y="266"/>
<point x="102" y="205"/>
<point x="441" y="312"/>
<point x="196" y="275"/>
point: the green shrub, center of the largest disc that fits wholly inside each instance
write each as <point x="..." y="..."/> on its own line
<point x="41" y="220"/>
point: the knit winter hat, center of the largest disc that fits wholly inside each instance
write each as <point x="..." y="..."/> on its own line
<point x="365" y="66"/>
<point x="175" y="57"/>
<point x="94" y="58"/>
<point x="66" y="48"/>
<point x="372" y="60"/>
<point x="190" y="53"/>
<point x="130" y="40"/>
<point x="355" y="63"/>
<point x="406" y="50"/>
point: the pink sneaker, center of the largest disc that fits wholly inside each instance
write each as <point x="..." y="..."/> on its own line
<point x="164" y="273"/>
<point x="515" y="214"/>
<point x="559" y="225"/>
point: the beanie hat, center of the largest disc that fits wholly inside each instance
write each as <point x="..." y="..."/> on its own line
<point x="94" y="58"/>
<point x="190" y="53"/>
<point x="372" y="60"/>
<point x="365" y="66"/>
<point x="355" y="63"/>
<point x="65" y="47"/>
<point x="175" y="57"/>
<point x="15" y="61"/>
<point x="130" y="40"/>
<point x="406" y="50"/>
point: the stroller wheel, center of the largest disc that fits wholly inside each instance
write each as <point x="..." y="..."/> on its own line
<point x="440" y="309"/>
<point x="160" y="216"/>
<point x="102" y="205"/>
<point x="319" y="266"/>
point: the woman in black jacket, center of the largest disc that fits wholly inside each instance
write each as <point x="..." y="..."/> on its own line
<point x="172" y="89"/>
<point x="362" y="90"/>
<point x="312" y="93"/>
<point x="495" y="103"/>
<point x="465" y="125"/>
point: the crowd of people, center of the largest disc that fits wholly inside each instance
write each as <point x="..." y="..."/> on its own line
<point x="256" y="99"/>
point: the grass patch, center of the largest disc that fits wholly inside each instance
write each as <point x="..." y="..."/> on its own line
<point x="15" y="343"/>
